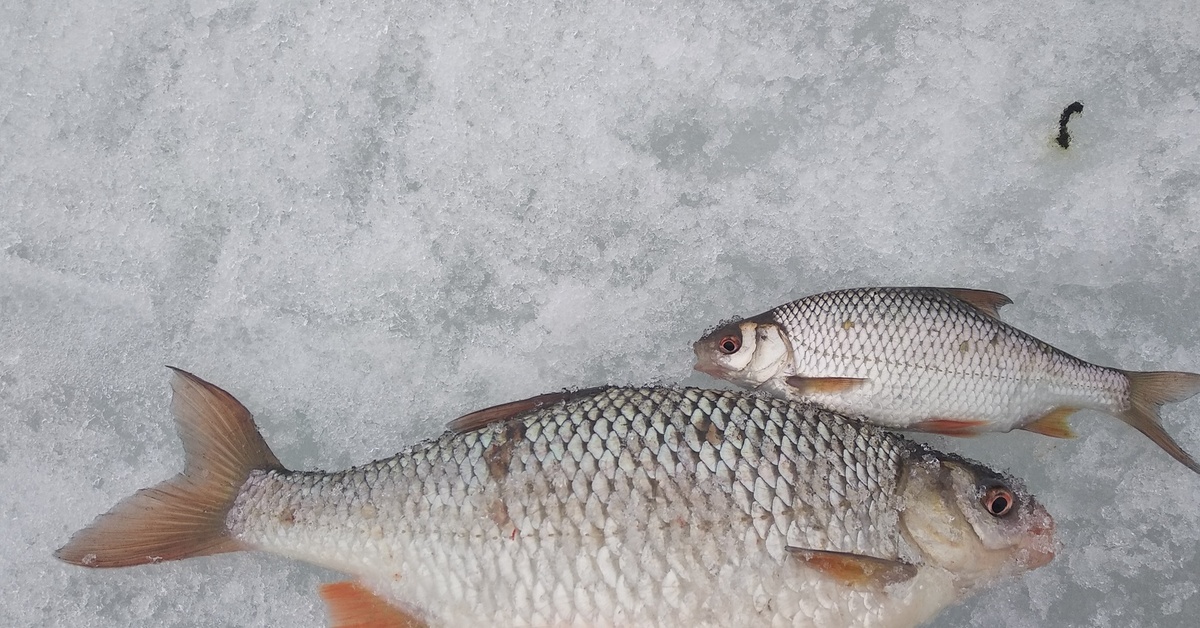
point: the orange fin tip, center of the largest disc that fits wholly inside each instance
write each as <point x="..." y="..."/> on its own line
<point x="985" y="301"/>
<point x="351" y="605"/>
<point x="1053" y="424"/>
<point x="505" y="411"/>
<point x="855" y="569"/>
<point x="813" y="385"/>
<point x="951" y="427"/>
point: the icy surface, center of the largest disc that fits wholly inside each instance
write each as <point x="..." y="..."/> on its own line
<point x="366" y="218"/>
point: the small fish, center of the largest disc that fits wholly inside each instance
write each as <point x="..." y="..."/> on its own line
<point x="935" y="360"/>
<point x="602" y="507"/>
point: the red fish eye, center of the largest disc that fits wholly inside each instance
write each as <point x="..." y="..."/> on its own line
<point x="998" y="501"/>
<point x="730" y="344"/>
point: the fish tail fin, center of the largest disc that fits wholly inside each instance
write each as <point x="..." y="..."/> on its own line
<point x="1147" y="393"/>
<point x="185" y="515"/>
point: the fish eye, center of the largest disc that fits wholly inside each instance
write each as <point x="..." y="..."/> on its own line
<point x="729" y="344"/>
<point x="998" y="501"/>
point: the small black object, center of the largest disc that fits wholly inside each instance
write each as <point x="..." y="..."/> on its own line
<point x="1064" y="139"/>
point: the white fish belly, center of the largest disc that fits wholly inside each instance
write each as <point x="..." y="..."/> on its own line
<point x="621" y="522"/>
<point x="631" y="581"/>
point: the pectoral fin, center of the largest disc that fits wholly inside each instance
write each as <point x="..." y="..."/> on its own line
<point x="985" y="301"/>
<point x="951" y="427"/>
<point x="351" y="605"/>
<point x="855" y="570"/>
<point x="812" y="385"/>
<point x="1053" y="423"/>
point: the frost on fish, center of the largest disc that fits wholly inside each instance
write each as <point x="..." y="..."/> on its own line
<point x="615" y="506"/>
<point x="932" y="359"/>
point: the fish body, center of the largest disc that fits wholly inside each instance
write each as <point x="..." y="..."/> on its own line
<point x="606" y="507"/>
<point x="931" y="359"/>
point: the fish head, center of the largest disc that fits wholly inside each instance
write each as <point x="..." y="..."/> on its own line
<point x="747" y="353"/>
<point x="976" y="523"/>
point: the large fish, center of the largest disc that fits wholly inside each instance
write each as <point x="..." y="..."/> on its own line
<point x="605" y="507"/>
<point x="932" y="359"/>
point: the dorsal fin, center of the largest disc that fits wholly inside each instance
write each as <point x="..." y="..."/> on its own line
<point x="505" y="411"/>
<point x="985" y="301"/>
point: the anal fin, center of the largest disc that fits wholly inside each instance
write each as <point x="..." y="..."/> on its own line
<point x="1053" y="423"/>
<point x="951" y="427"/>
<point x="351" y="605"/>
<point x="855" y="570"/>
<point x="813" y="385"/>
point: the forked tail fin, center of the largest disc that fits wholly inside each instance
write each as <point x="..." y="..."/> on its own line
<point x="184" y="516"/>
<point x="1147" y="393"/>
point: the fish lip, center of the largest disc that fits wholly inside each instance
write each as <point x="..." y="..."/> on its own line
<point x="1035" y="557"/>
<point x="1041" y="547"/>
<point x="708" y="368"/>
<point x="704" y="363"/>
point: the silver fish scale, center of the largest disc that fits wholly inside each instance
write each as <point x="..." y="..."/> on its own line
<point x="926" y="354"/>
<point x="623" y="507"/>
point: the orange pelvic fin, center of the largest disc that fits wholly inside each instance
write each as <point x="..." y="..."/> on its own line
<point x="1053" y="423"/>
<point x="185" y="515"/>
<point x="1147" y="393"/>
<point x="812" y="385"/>
<point x="505" y="411"/>
<point x="951" y="427"/>
<point x="855" y="569"/>
<point x="351" y="605"/>
<point x="985" y="301"/>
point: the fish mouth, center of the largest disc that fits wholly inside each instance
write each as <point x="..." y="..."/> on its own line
<point x="1040" y="547"/>
<point x="704" y="363"/>
<point x="708" y="368"/>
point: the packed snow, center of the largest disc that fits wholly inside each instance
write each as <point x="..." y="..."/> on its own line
<point x="365" y="219"/>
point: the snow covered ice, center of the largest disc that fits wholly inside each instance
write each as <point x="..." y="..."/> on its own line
<point x="365" y="219"/>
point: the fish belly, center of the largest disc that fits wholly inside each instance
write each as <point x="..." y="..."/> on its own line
<point x="564" y="568"/>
